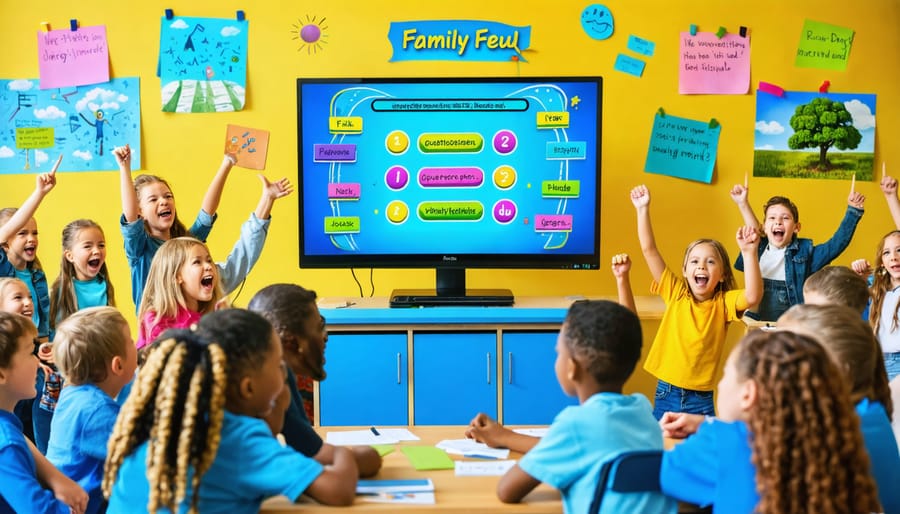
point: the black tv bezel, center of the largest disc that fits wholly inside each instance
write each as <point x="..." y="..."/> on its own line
<point x="440" y="260"/>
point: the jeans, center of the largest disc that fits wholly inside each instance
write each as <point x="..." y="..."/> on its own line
<point x="775" y="301"/>
<point x="892" y="364"/>
<point x="670" y="398"/>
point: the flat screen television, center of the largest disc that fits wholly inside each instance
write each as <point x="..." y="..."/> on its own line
<point x="450" y="173"/>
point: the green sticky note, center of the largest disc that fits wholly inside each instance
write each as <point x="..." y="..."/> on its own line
<point x="427" y="457"/>
<point x="383" y="449"/>
<point x="824" y="46"/>
<point x="34" y="137"/>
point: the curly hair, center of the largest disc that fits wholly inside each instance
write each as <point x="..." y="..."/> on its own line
<point x="807" y="446"/>
<point x="605" y="338"/>
<point x="881" y="284"/>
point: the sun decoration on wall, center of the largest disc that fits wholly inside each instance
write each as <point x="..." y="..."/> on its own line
<point x="311" y="34"/>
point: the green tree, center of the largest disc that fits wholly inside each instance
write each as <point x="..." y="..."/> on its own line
<point x="822" y="124"/>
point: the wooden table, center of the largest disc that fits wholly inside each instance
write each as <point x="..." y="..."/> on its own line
<point x="452" y="493"/>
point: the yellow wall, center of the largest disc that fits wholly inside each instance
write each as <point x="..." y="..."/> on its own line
<point x="186" y="148"/>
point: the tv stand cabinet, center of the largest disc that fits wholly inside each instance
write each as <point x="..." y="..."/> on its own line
<point x="443" y="365"/>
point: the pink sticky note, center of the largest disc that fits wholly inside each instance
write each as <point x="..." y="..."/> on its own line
<point x="709" y="65"/>
<point x="73" y="58"/>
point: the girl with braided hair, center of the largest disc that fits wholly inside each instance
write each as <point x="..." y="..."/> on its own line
<point x="190" y="436"/>
<point x="786" y="425"/>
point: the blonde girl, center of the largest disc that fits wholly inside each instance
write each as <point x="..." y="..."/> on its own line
<point x="883" y="312"/>
<point x="786" y="440"/>
<point x="190" y="437"/>
<point x="30" y="483"/>
<point x="150" y="219"/>
<point x="15" y="297"/>
<point x="183" y="285"/>
<point x="686" y="354"/>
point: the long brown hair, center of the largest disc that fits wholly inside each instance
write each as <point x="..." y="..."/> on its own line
<point x="851" y="342"/>
<point x="5" y="215"/>
<point x="178" y="229"/>
<point x="806" y="446"/>
<point x="63" y="302"/>
<point x="881" y="284"/>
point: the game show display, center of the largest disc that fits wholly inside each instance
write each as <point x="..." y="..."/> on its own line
<point x="450" y="173"/>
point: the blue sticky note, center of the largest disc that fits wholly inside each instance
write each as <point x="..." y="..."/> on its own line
<point x="629" y="65"/>
<point x="683" y="148"/>
<point x="641" y="46"/>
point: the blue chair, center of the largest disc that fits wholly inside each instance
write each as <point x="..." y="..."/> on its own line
<point x="629" y="472"/>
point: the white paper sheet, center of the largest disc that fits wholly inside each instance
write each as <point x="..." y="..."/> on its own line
<point x="471" y="448"/>
<point x="483" y="468"/>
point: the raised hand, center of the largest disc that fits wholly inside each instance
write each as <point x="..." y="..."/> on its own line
<point x="123" y="155"/>
<point x="747" y="238"/>
<point x="856" y="199"/>
<point x="739" y="194"/>
<point x="277" y="189"/>
<point x="861" y="267"/>
<point x="640" y="196"/>
<point x="889" y="185"/>
<point x="621" y="264"/>
<point x="45" y="182"/>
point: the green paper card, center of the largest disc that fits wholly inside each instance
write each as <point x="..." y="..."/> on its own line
<point x="824" y="46"/>
<point x="383" y="449"/>
<point x="427" y="457"/>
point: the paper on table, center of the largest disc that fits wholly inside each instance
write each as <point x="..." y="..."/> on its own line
<point x="403" y="498"/>
<point x="410" y="485"/>
<point x="471" y="447"/>
<point x="427" y="457"/>
<point x="400" y="434"/>
<point x="483" y="468"/>
<point x="383" y="449"/>
<point x="534" y="432"/>
<point x="358" y="437"/>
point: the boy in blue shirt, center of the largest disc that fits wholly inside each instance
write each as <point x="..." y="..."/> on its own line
<point x="596" y="351"/>
<point x="96" y="355"/>
<point x="25" y="472"/>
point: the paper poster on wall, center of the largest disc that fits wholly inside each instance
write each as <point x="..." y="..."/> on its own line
<point x="824" y="46"/>
<point x="82" y="123"/>
<point x="683" y="148"/>
<point x="814" y="135"/>
<point x="73" y="57"/>
<point x="249" y="145"/>
<point x="710" y="65"/>
<point x="597" y="22"/>
<point x="203" y="64"/>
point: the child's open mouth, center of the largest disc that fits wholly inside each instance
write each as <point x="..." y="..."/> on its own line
<point x="207" y="281"/>
<point x="778" y="232"/>
<point x="30" y="251"/>
<point x="701" y="280"/>
<point x="94" y="264"/>
<point x="166" y="214"/>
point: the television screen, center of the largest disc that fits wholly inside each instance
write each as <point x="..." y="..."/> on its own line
<point x="450" y="172"/>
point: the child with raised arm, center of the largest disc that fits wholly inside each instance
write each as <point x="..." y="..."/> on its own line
<point x="149" y="219"/>
<point x="884" y="310"/>
<point x="183" y="285"/>
<point x="301" y="328"/>
<point x="786" y="439"/>
<point x="621" y="268"/>
<point x="686" y="354"/>
<point x="786" y="260"/>
<point x="96" y="355"/>
<point x="598" y="347"/>
<point x="889" y="188"/>
<point x="29" y="482"/>
<point x="201" y="396"/>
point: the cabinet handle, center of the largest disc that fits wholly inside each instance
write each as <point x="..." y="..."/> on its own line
<point x="509" y="373"/>
<point x="398" y="367"/>
<point x="488" y="355"/>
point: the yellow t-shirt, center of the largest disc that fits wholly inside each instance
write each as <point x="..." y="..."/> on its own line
<point x="687" y="349"/>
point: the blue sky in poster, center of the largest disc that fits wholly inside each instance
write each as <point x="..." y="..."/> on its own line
<point x="82" y="123"/>
<point x="202" y="49"/>
<point x="773" y="116"/>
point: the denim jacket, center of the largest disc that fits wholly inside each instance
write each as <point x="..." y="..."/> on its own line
<point x="802" y="258"/>
<point x="39" y="282"/>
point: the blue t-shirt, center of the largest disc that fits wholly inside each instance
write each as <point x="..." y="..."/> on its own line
<point x="582" y="438"/>
<point x="250" y="466"/>
<point x="20" y="490"/>
<point x="90" y="293"/>
<point x="140" y="247"/>
<point x="79" y="433"/>
<point x="883" y="453"/>
<point x="713" y="466"/>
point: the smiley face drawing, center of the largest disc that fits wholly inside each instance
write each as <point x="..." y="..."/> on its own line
<point x="597" y="21"/>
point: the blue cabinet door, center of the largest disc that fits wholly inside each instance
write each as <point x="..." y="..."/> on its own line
<point x="367" y="380"/>
<point x="454" y="377"/>
<point x="531" y="393"/>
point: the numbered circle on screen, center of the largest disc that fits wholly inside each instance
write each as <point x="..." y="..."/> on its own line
<point x="397" y="142"/>
<point x="504" y="211"/>
<point x="505" y="142"/>
<point x="504" y="176"/>
<point x="397" y="212"/>
<point x="396" y="178"/>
